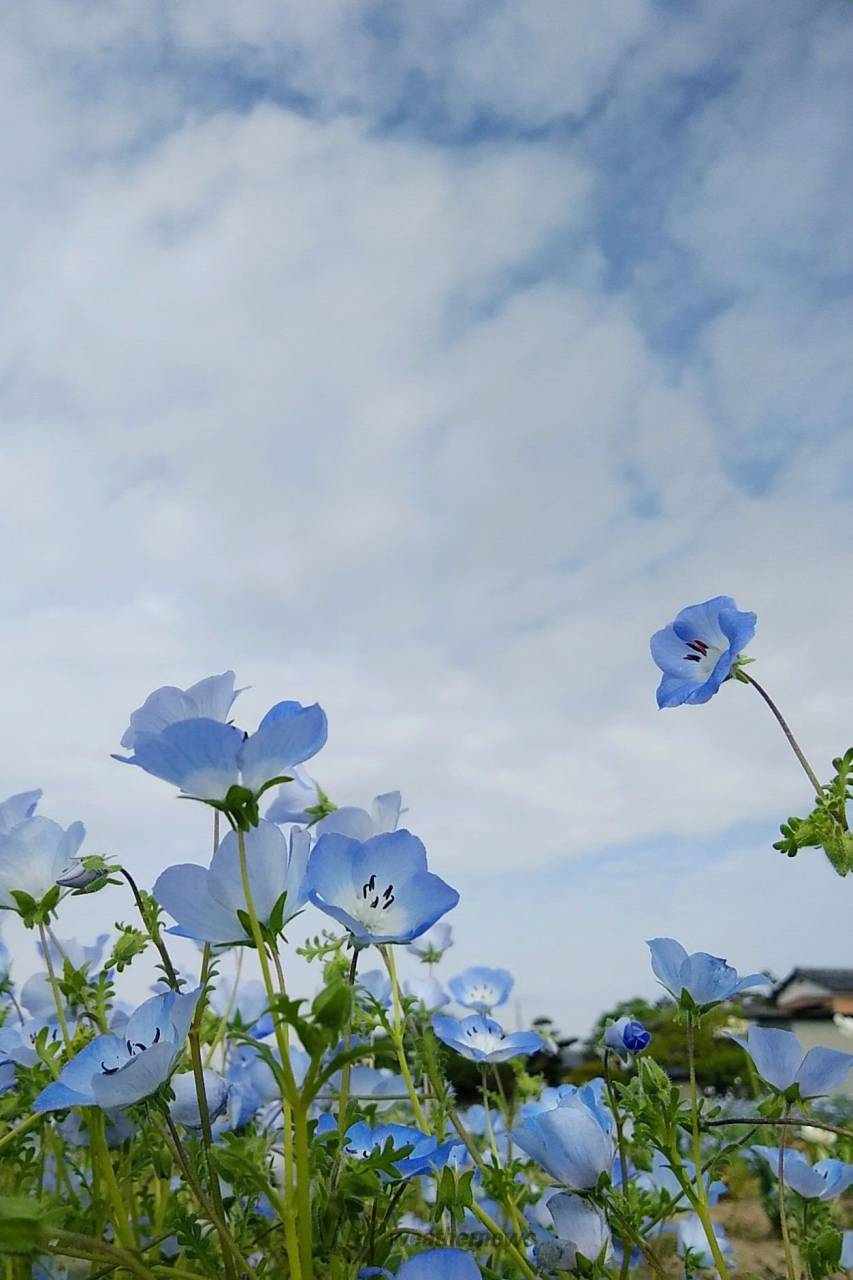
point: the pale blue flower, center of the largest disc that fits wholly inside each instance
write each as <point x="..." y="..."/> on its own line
<point x="481" y="1039"/>
<point x="425" y="1154"/>
<point x="571" y="1142"/>
<point x="205" y="902"/>
<point x="697" y="651"/>
<point x="78" y="955"/>
<point x="17" y="809"/>
<point x="381" y="889"/>
<point x="205" y="758"/>
<point x="376" y="1083"/>
<point x="480" y="988"/>
<point x="33" y="855"/>
<point x="626" y="1035"/>
<point x="295" y="801"/>
<point x="184" y="1108"/>
<point x="431" y="946"/>
<point x="707" y="979"/>
<point x="661" y="1178"/>
<point x="209" y="699"/>
<point x="18" y="1039"/>
<point x="823" y="1180"/>
<point x="427" y="991"/>
<point x="377" y="985"/>
<point x="432" y="1264"/>
<point x="582" y="1231"/>
<point x="112" y="1072"/>
<point x="358" y="824"/>
<point x="780" y="1060"/>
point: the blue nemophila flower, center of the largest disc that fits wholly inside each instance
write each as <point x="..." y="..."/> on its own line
<point x="184" y="1108"/>
<point x="358" y="824"/>
<point x="205" y="758"/>
<point x="662" y="1178"/>
<point x="33" y="855"/>
<point x="77" y="954"/>
<point x="300" y="800"/>
<point x="376" y="985"/>
<point x="626" y="1035"/>
<point x="572" y="1142"/>
<point x="481" y="1039"/>
<point x="823" y="1180"/>
<point x="432" y="1264"/>
<point x="209" y="699"/>
<point x="427" y="991"/>
<point x="693" y="1242"/>
<point x="115" y="1072"/>
<point x="424" y="1154"/>
<point x="205" y="902"/>
<point x="707" y="979"/>
<point x="480" y="988"/>
<point x="582" y="1231"/>
<point x="781" y="1061"/>
<point x="17" y="809"/>
<point x="697" y="651"/>
<point x="380" y="889"/>
<point x="431" y="946"/>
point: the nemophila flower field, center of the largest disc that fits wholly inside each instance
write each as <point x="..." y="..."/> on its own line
<point x="232" y="1128"/>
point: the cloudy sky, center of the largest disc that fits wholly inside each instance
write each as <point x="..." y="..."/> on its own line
<point x="422" y="360"/>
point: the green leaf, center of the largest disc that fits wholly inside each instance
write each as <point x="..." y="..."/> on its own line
<point x="26" y="1224"/>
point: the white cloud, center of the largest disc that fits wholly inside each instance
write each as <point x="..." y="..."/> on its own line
<point x="361" y="413"/>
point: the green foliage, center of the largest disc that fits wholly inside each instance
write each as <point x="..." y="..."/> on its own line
<point x="826" y="827"/>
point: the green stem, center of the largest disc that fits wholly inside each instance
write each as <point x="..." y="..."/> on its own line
<point x="54" y="986"/>
<point x="343" y="1093"/>
<point x="790" y="1265"/>
<point x="397" y="1035"/>
<point x="503" y="1239"/>
<point x="623" y="1154"/>
<point x="783" y="724"/>
<point x="152" y="930"/>
<point x="289" y="1092"/>
<point x="194" y="1040"/>
<point x="701" y="1199"/>
<point x="230" y="1250"/>
<point x="20" y="1129"/>
<point x="100" y="1153"/>
<point x="73" y="1245"/>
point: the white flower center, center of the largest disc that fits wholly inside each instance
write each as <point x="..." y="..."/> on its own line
<point x="703" y="657"/>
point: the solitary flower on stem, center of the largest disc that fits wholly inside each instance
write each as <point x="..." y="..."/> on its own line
<point x="626" y="1035"/>
<point x="480" y="1039"/>
<point x="113" y="1072"/>
<point x="572" y="1142"/>
<point x="480" y="988"/>
<point x="697" y="651"/>
<point x="381" y="889"/>
<point x="706" y="979"/>
<point x="205" y="902"/>
<point x="821" y="1181"/>
<point x="206" y="758"/>
<point x="779" y="1059"/>
<point x="209" y="699"/>
<point x="33" y="855"/>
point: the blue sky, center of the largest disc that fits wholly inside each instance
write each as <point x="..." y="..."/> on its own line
<point x="423" y="360"/>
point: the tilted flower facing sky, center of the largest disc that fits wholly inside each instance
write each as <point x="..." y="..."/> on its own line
<point x="431" y="946"/>
<point x="781" y="1061"/>
<point x="381" y="889"/>
<point x="209" y="699"/>
<point x="571" y="1142"/>
<point x="480" y="988"/>
<point x="823" y="1180"/>
<point x="697" y="651"/>
<point x="205" y="902"/>
<point x="115" y="1072"/>
<point x="34" y="854"/>
<point x="481" y="1039"/>
<point x="707" y="979"/>
<point x="205" y="758"/>
<point x="294" y="801"/>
